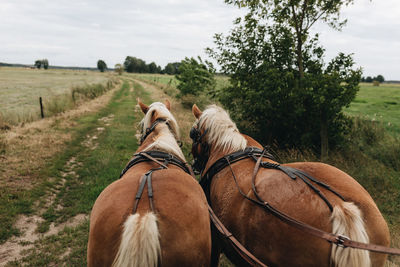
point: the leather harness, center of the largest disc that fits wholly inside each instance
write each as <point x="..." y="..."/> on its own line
<point x="253" y="153"/>
<point x="163" y="159"/>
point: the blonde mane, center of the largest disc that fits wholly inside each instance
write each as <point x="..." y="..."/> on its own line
<point x="222" y="132"/>
<point x="167" y="135"/>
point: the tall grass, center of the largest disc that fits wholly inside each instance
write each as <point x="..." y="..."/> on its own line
<point x="56" y="104"/>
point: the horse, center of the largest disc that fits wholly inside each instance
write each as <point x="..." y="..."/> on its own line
<point x="254" y="202"/>
<point x="171" y="225"/>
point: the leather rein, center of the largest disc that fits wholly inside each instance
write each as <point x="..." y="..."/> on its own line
<point x="258" y="154"/>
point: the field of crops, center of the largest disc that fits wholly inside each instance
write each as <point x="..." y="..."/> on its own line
<point x="21" y="88"/>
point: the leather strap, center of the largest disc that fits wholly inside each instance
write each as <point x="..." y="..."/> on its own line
<point x="146" y="179"/>
<point x="244" y="254"/>
<point x="339" y="240"/>
<point x="157" y="157"/>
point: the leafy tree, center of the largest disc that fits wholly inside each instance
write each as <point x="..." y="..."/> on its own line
<point x="133" y="64"/>
<point x="380" y="78"/>
<point x="153" y="68"/>
<point x="119" y="68"/>
<point x="281" y="89"/>
<point x="368" y="79"/>
<point x="45" y="63"/>
<point x="38" y="63"/>
<point x="195" y="76"/>
<point x="101" y="65"/>
<point x="363" y="79"/>
<point x="172" y="68"/>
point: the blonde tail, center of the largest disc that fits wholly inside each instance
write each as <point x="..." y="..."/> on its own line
<point x="347" y="220"/>
<point x="140" y="245"/>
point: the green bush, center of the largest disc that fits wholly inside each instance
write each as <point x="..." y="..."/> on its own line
<point x="195" y="77"/>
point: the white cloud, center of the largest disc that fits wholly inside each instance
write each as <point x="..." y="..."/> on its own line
<point x="78" y="33"/>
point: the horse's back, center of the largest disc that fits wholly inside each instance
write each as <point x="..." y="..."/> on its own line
<point x="180" y="209"/>
<point x="275" y="242"/>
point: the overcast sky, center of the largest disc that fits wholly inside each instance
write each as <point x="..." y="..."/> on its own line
<point x="78" y="33"/>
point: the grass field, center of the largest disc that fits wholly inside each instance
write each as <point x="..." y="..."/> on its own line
<point x="378" y="103"/>
<point x="21" y="88"/>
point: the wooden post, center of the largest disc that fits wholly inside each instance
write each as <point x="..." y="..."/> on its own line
<point x="41" y="107"/>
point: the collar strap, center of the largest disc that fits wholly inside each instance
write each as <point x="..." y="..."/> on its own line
<point x="148" y="156"/>
<point x="223" y="162"/>
<point x="256" y="154"/>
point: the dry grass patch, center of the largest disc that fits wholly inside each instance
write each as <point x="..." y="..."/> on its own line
<point x="26" y="148"/>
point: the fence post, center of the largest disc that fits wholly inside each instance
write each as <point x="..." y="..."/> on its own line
<point x="41" y="107"/>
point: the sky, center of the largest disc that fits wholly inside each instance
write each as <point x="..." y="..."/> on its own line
<point x="78" y="33"/>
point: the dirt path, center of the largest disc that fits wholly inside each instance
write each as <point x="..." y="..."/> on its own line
<point x="38" y="142"/>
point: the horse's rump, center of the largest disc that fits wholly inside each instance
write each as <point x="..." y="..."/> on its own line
<point x="181" y="213"/>
<point x="264" y="234"/>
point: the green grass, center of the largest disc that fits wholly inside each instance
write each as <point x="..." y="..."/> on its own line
<point x="50" y="250"/>
<point x="20" y="89"/>
<point x="378" y="103"/>
<point x="170" y="80"/>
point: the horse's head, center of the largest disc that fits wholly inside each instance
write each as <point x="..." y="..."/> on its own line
<point x="159" y="123"/>
<point x="213" y="129"/>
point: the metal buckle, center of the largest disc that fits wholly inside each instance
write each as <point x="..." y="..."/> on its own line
<point x="340" y="240"/>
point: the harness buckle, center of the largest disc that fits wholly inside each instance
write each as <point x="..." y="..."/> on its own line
<point x="340" y="239"/>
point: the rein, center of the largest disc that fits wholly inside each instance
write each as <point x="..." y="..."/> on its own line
<point x="338" y="240"/>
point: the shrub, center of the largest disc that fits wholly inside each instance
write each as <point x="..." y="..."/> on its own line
<point x="195" y="77"/>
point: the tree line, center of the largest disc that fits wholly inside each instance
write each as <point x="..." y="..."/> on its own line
<point x="370" y="79"/>
<point x="39" y="63"/>
<point x="137" y="65"/>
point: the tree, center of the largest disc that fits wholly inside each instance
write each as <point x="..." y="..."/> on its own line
<point x="380" y="78"/>
<point x="133" y="64"/>
<point x="45" y="64"/>
<point x="101" y="65"/>
<point x="195" y="76"/>
<point x="277" y="69"/>
<point x="299" y="16"/>
<point x="153" y="68"/>
<point x="119" y="68"/>
<point x="172" y="68"/>
<point x="368" y="79"/>
<point x="38" y="63"/>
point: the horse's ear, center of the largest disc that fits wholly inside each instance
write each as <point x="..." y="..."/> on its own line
<point x="196" y="111"/>
<point x="168" y="104"/>
<point x="143" y="107"/>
